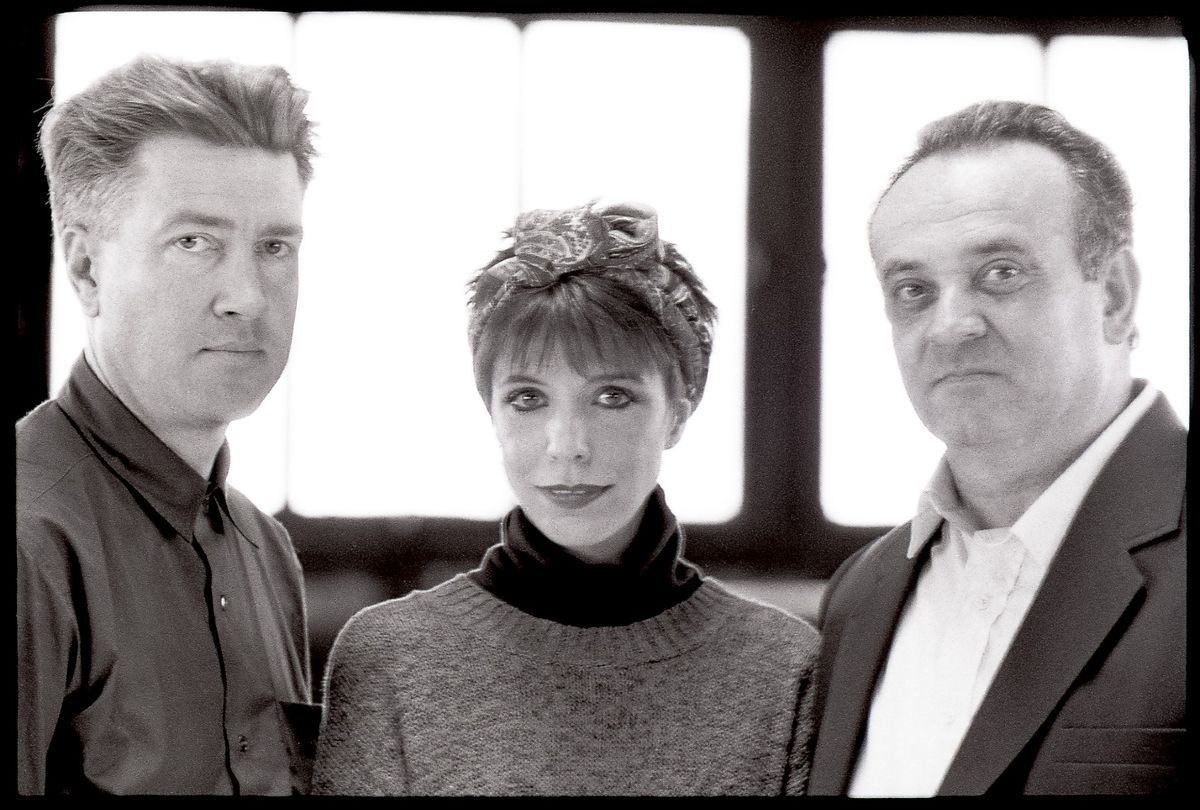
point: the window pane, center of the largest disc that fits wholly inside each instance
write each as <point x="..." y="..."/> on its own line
<point x="1133" y="93"/>
<point x="880" y="89"/>
<point x="420" y="169"/>
<point x="658" y="114"/>
<point x="90" y="43"/>
<point x="417" y="177"/>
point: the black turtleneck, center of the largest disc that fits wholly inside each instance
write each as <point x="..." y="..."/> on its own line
<point x="537" y="576"/>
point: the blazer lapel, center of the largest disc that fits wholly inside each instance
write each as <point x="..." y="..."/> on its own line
<point x="862" y="649"/>
<point x="1091" y="583"/>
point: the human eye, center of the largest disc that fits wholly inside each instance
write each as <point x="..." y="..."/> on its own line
<point x="910" y="293"/>
<point x="277" y="248"/>
<point x="524" y="400"/>
<point x="195" y="243"/>
<point x="1002" y="277"/>
<point x="614" y="397"/>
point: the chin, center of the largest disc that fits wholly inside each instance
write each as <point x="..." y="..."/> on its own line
<point x="960" y="432"/>
<point x="234" y="408"/>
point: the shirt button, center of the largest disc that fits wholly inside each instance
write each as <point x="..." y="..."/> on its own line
<point x="224" y="601"/>
<point x="243" y="744"/>
<point x="983" y="602"/>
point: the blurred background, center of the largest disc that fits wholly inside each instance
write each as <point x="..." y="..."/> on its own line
<point x="762" y="141"/>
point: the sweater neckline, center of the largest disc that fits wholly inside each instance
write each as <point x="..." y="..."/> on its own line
<point x="672" y="632"/>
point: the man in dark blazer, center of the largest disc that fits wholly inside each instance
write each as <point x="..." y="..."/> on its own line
<point x="1026" y="631"/>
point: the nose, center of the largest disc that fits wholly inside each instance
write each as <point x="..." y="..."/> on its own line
<point x="240" y="286"/>
<point x="956" y="318"/>
<point x="566" y="437"/>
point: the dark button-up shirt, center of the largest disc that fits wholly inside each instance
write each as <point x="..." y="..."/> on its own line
<point x="161" y="633"/>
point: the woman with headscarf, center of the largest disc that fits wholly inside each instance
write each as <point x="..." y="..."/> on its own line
<point x="584" y="655"/>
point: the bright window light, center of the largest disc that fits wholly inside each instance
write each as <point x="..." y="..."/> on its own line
<point x="1133" y="94"/>
<point x="434" y="132"/>
<point x="417" y="128"/>
<point x="668" y="126"/>
<point x="90" y="43"/>
<point x="880" y="89"/>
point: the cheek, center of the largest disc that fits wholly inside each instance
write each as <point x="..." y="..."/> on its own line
<point x="159" y="290"/>
<point x="904" y="322"/>
<point x="285" y="291"/>
<point x="128" y="304"/>
<point x="907" y="343"/>
<point x="1048" y="334"/>
<point x="642" y="450"/>
<point x="285" y="310"/>
<point x="650" y="459"/>
<point x="517" y="447"/>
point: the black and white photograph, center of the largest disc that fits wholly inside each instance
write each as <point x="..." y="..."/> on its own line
<point x="559" y="403"/>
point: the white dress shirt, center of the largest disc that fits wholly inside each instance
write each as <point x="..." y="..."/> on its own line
<point x="970" y="599"/>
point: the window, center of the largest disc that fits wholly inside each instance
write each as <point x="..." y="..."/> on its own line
<point x="434" y="132"/>
<point x="880" y="88"/>
<point x="437" y="129"/>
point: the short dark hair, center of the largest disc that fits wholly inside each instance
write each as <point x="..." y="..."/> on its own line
<point x="596" y="282"/>
<point x="89" y="141"/>
<point x="1103" y="201"/>
<point x="588" y="315"/>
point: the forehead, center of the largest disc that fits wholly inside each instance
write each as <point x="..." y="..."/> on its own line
<point x="1011" y="191"/>
<point x="172" y="167"/>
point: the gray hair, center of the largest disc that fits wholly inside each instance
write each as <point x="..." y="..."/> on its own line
<point x="1103" y="202"/>
<point x="89" y="141"/>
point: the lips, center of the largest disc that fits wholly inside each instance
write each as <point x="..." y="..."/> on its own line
<point x="235" y="348"/>
<point x="574" y="496"/>
<point x="964" y="375"/>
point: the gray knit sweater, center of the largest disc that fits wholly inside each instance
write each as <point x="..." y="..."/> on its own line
<point x="452" y="691"/>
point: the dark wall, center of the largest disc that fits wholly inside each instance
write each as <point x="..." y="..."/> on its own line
<point x="30" y="217"/>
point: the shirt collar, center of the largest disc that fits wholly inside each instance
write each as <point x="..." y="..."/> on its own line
<point x="1044" y="524"/>
<point x="939" y="501"/>
<point x="134" y="453"/>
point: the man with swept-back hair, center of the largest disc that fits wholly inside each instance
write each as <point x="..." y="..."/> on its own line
<point x="1025" y="631"/>
<point x="162" y="645"/>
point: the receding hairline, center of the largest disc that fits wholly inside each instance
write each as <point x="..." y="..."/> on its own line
<point x="126" y="182"/>
<point x="982" y="150"/>
<point x="86" y="140"/>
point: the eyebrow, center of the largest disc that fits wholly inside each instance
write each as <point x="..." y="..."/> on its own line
<point x="998" y="245"/>
<point x="896" y="267"/>
<point x="212" y="221"/>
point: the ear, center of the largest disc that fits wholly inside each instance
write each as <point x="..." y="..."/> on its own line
<point x="682" y="410"/>
<point x="80" y="248"/>
<point x="1121" y="280"/>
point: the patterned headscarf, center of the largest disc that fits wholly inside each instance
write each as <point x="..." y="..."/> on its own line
<point x="620" y="241"/>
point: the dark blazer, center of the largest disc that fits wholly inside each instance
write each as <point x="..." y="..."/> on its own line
<point x="1091" y="696"/>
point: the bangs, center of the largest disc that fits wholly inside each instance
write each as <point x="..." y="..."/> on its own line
<point x="592" y="320"/>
